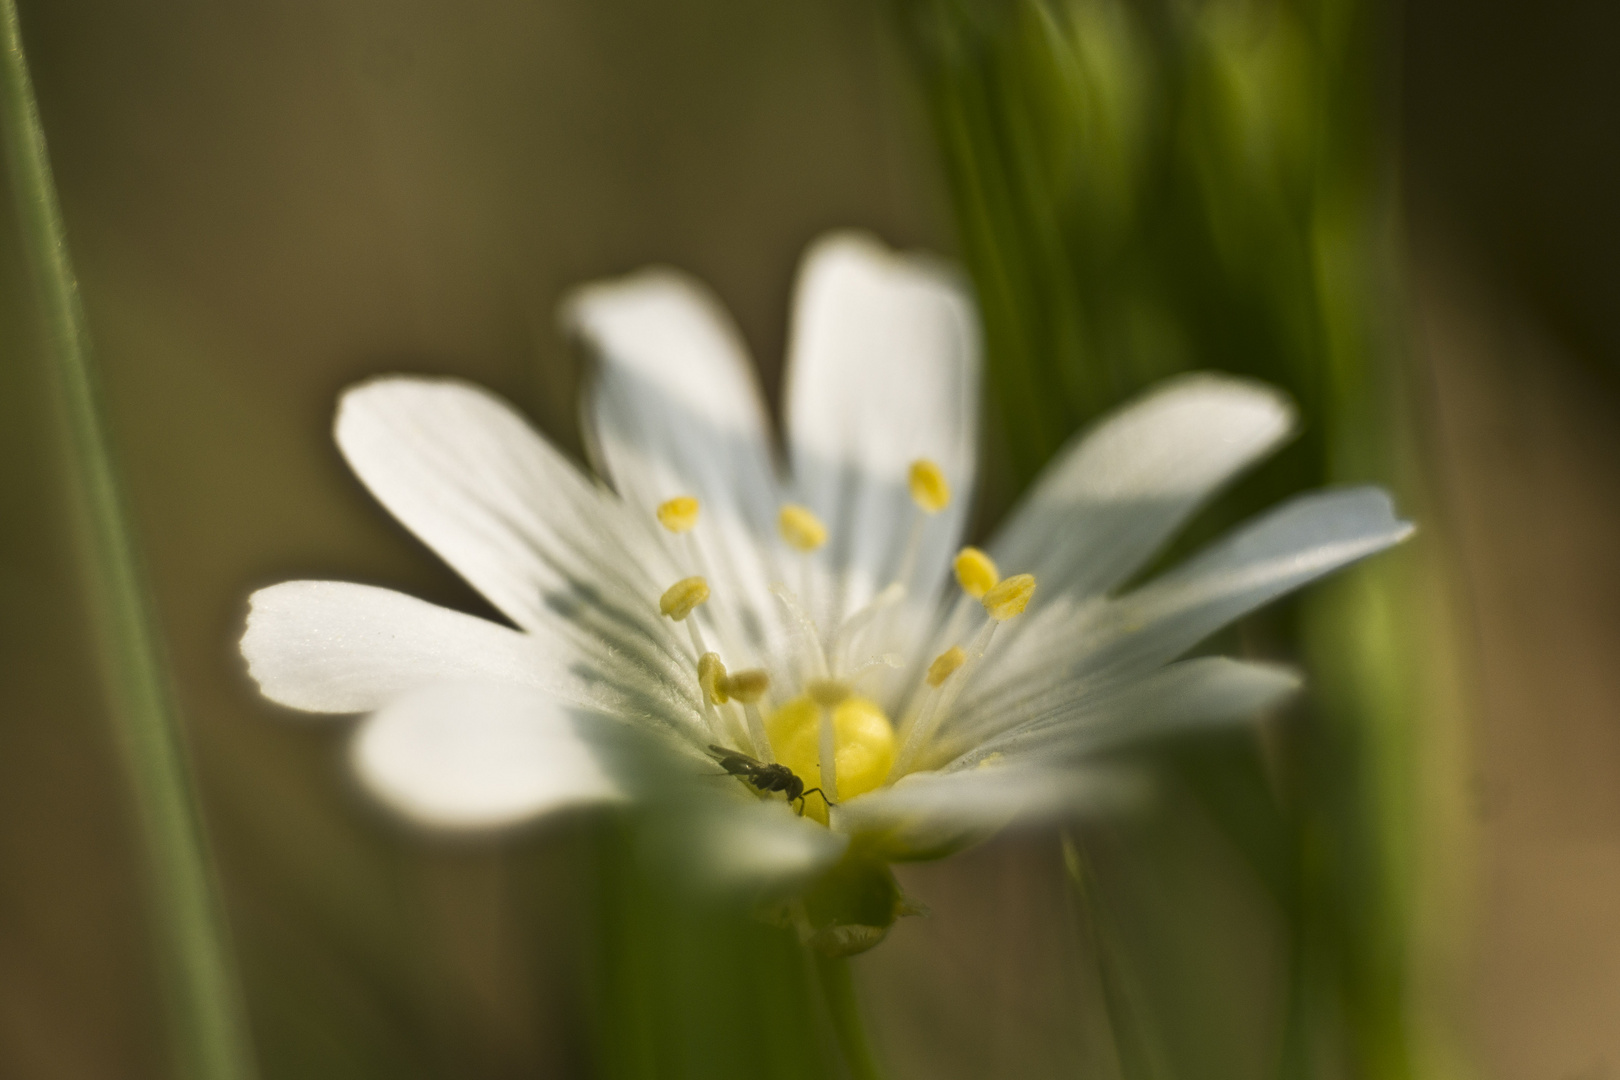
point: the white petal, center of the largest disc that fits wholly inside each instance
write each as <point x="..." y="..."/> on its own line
<point x="931" y="814"/>
<point x="883" y="370"/>
<point x="478" y="755"/>
<point x="1295" y="543"/>
<point x="558" y="555"/>
<point x="760" y="846"/>
<point x="1116" y="493"/>
<point x="334" y="647"/>
<point x="1188" y="694"/>
<point x="674" y="409"/>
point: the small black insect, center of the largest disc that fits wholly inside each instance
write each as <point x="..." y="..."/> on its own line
<point x="763" y="777"/>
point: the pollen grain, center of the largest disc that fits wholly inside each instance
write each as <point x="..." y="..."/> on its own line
<point x="679" y="514"/>
<point x="683" y="597"/>
<point x="1010" y="597"/>
<point x="801" y="528"/>
<point x="945" y="665"/>
<point x="976" y="572"/>
<point x="712" y="677"/>
<point x="747" y="686"/>
<point x="929" y="488"/>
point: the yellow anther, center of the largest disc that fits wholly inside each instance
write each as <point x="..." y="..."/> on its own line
<point x="712" y="677"/>
<point x="945" y="665"/>
<point x="1010" y="598"/>
<point x="827" y="693"/>
<point x="678" y="514"/>
<point x="928" y="487"/>
<point x="683" y="597"/>
<point x="975" y="572"/>
<point x="801" y="528"/>
<point x="747" y="686"/>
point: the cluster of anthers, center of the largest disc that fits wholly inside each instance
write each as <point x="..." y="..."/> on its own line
<point x="824" y="737"/>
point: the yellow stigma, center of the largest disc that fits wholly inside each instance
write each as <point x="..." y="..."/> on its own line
<point x="945" y="665"/>
<point x="683" y="597"/>
<point x="712" y="677"/>
<point x="928" y="487"/>
<point x="801" y="528"/>
<point x="975" y="572"/>
<point x="862" y="737"/>
<point x="1010" y="598"/>
<point x="678" y="514"/>
<point x="747" y="686"/>
<point x="828" y="693"/>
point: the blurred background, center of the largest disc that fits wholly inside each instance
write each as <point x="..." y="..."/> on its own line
<point x="268" y="201"/>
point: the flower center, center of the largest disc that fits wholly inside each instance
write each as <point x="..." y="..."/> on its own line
<point x="863" y="739"/>
<point x="828" y="724"/>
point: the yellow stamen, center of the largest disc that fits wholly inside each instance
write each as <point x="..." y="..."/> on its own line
<point x="683" y="597"/>
<point x="1009" y="598"/>
<point x="801" y="528"/>
<point x="828" y="693"/>
<point x="975" y="572"/>
<point x="712" y="677"/>
<point x="747" y="686"/>
<point x="929" y="489"/>
<point x="863" y="741"/>
<point x="679" y="514"/>
<point x="945" y="665"/>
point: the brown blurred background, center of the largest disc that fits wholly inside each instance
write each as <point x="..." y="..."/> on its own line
<point x="268" y="201"/>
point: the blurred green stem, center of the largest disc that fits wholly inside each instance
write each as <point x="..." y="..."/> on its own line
<point x="1135" y="1042"/>
<point x="1145" y="187"/>
<point x="209" y="1030"/>
<point x="837" y="987"/>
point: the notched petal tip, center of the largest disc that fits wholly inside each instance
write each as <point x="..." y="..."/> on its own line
<point x="864" y="252"/>
<point x="586" y="311"/>
<point x="1368" y="510"/>
<point x="277" y="642"/>
<point x="339" y="647"/>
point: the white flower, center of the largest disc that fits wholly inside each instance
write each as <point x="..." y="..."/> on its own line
<point x="824" y="591"/>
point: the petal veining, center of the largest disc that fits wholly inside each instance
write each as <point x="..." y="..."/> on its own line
<point x="336" y="647"/>
<point x="1117" y="492"/>
<point x="1112" y="497"/>
<point x="675" y="410"/>
<point x="883" y="371"/>
<point x="558" y="555"/>
<point x="1085" y="720"/>
<point x="1102" y="639"/>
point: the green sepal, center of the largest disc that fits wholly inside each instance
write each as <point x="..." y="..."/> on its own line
<point x="852" y="906"/>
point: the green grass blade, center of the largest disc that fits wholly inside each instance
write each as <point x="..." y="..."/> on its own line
<point x="210" y="1033"/>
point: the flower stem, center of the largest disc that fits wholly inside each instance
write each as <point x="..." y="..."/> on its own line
<point x="209" y="1030"/>
<point x="838" y="994"/>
